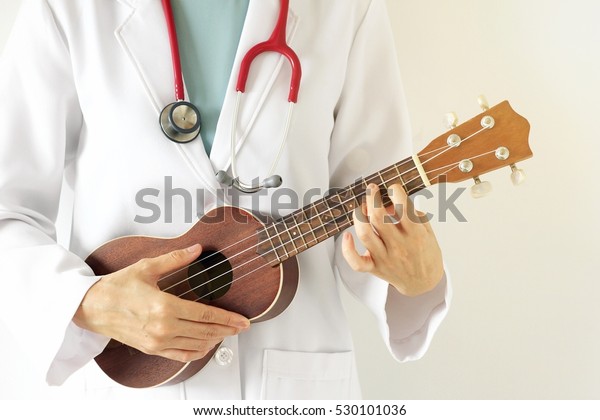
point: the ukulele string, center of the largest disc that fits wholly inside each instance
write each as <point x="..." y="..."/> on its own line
<point x="287" y="230"/>
<point x="254" y="245"/>
<point x="453" y="165"/>
<point x="349" y="222"/>
<point x="448" y="147"/>
<point x="329" y="209"/>
<point x="162" y="279"/>
<point x="346" y="224"/>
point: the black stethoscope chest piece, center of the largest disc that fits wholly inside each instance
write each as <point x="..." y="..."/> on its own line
<point x="180" y="121"/>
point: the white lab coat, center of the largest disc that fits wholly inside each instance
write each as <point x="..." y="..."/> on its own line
<point x="82" y="83"/>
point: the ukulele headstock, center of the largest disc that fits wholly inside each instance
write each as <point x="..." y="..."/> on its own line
<point x="494" y="139"/>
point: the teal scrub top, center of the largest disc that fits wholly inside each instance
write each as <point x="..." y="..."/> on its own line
<point x="208" y="32"/>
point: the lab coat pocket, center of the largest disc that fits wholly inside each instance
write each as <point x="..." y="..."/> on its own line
<point x="291" y="375"/>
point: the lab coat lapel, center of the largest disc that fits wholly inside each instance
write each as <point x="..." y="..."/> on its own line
<point x="258" y="26"/>
<point x="145" y="40"/>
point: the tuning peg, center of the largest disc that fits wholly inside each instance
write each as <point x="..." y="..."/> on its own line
<point x="483" y="103"/>
<point x="481" y="188"/>
<point x="451" y="120"/>
<point x="517" y="176"/>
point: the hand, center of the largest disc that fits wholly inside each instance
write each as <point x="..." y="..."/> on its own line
<point x="405" y="254"/>
<point x="129" y="307"/>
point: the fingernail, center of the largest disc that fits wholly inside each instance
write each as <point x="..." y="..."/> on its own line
<point x="242" y="323"/>
<point x="193" y="249"/>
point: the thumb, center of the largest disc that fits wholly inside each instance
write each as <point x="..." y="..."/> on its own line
<point x="171" y="261"/>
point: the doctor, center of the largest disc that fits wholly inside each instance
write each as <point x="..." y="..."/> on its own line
<point x="83" y="84"/>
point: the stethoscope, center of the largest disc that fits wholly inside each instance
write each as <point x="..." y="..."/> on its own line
<point x="180" y="121"/>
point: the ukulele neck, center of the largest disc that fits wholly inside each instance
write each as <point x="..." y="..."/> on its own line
<point x="315" y="223"/>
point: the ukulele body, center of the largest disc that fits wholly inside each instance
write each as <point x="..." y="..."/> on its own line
<point x="230" y="274"/>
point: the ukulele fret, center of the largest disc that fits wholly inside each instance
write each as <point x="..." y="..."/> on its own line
<point x="340" y="209"/>
<point x="397" y="168"/>
<point x="305" y="228"/>
<point x="285" y="239"/>
<point x="267" y="245"/>
<point x="383" y="182"/>
<point x="317" y="222"/>
<point x="300" y="233"/>
<point x="294" y="235"/>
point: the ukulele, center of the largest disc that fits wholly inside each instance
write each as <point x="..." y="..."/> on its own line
<point x="240" y="251"/>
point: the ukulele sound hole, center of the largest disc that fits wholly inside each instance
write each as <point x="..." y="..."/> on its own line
<point x="210" y="276"/>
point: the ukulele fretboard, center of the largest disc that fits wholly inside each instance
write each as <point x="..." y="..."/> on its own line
<point x="316" y="222"/>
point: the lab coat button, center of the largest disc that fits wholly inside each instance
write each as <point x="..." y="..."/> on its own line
<point x="224" y="356"/>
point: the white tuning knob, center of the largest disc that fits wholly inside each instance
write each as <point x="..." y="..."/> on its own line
<point x="451" y="120"/>
<point x="517" y="176"/>
<point x="483" y="103"/>
<point x="481" y="188"/>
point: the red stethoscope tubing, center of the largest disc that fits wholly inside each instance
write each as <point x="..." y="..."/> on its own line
<point x="276" y="43"/>
<point x="177" y="72"/>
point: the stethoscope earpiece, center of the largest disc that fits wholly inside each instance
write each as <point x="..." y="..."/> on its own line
<point x="180" y="121"/>
<point x="274" y="181"/>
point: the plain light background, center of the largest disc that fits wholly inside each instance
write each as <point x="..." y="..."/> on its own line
<point x="525" y="266"/>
